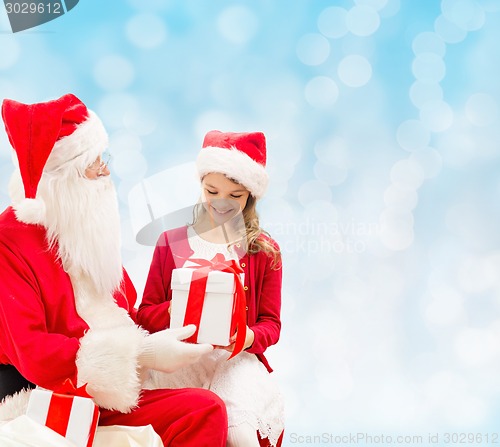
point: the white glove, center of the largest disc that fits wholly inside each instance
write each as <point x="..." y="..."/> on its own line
<point x="164" y="350"/>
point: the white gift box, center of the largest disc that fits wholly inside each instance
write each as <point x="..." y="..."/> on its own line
<point x="217" y="310"/>
<point x="75" y="419"/>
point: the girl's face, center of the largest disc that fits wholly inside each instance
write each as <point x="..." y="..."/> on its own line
<point x="223" y="196"/>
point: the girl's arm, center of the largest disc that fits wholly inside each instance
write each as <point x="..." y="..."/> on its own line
<point x="153" y="314"/>
<point x="268" y="325"/>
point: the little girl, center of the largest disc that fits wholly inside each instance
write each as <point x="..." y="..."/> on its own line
<point x="231" y="167"/>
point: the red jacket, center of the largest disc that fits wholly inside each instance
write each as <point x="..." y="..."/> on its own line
<point x="262" y="286"/>
<point x="40" y="329"/>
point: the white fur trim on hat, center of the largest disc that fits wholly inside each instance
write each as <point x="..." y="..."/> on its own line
<point x="235" y="165"/>
<point x="88" y="140"/>
<point x="30" y="211"/>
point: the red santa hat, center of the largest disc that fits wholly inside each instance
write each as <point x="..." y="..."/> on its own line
<point x="45" y="136"/>
<point x="239" y="156"/>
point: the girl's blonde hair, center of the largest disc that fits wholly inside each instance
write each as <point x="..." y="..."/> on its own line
<point x="255" y="242"/>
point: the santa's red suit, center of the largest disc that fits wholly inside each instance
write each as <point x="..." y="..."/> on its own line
<point x="56" y="325"/>
<point x="35" y="292"/>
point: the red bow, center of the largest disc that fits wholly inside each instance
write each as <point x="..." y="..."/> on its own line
<point x="60" y="406"/>
<point x="197" y="294"/>
<point x="68" y="388"/>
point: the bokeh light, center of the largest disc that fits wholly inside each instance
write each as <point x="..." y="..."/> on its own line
<point x="314" y="190"/>
<point x="321" y="92"/>
<point x="450" y="32"/>
<point x="429" y="42"/>
<point x="332" y="22"/>
<point x="11" y="50"/>
<point x="355" y="71"/>
<point x="429" y="160"/>
<point x="466" y="14"/>
<point x="481" y="109"/>
<point x="362" y="20"/>
<point x="238" y="24"/>
<point x="428" y="67"/>
<point x="146" y="31"/>
<point x="424" y="92"/>
<point x="114" y="73"/>
<point x="313" y="49"/>
<point x="413" y="135"/>
<point x="436" y="116"/>
<point x="407" y="174"/>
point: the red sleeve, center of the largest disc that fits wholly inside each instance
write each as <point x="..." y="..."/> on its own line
<point x="268" y="324"/>
<point x="24" y="337"/>
<point x="153" y="312"/>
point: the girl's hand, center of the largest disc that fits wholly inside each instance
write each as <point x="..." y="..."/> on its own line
<point x="248" y="341"/>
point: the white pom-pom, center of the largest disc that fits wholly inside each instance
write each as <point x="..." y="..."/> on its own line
<point x="30" y="211"/>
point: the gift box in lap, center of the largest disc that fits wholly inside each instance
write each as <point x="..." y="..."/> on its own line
<point x="73" y="417"/>
<point x="217" y="309"/>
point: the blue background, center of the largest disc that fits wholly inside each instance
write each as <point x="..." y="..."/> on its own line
<point x="382" y="124"/>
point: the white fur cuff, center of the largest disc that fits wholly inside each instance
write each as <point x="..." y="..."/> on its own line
<point x="107" y="362"/>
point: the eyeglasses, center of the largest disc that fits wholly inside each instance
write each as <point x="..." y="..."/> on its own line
<point x="100" y="164"/>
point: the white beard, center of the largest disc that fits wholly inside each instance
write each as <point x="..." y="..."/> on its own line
<point x="83" y="223"/>
<point x="83" y="226"/>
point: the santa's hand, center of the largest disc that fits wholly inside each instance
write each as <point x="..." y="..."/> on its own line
<point x="165" y="350"/>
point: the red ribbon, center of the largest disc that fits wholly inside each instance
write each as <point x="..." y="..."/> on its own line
<point x="69" y="389"/>
<point x="60" y="405"/>
<point x="58" y="413"/>
<point x="197" y="291"/>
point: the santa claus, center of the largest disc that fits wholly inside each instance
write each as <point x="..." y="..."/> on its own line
<point x="66" y="304"/>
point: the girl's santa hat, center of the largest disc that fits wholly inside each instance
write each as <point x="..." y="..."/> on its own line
<point x="239" y="156"/>
<point x="47" y="137"/>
